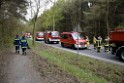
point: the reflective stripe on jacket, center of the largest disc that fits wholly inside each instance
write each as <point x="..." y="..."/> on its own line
<point x="17" y="41"/>
<point x="24" y="43"/>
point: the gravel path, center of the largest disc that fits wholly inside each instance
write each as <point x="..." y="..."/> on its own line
<point x="21" y="70"/>
<point x="17" y="68"/>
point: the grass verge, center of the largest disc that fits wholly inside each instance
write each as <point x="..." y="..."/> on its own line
<point x="84" y="68"/>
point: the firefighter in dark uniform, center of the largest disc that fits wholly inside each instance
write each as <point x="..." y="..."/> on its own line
<point x="17" y="44"/>
<point x="24" y="45"/>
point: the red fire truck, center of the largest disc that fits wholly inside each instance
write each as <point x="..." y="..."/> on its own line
<point x="73" y="40"/>
<point x="27" y="35"/>
<point x="117" y="42"/>
<point x="51" y="37"/>
<point x="39" y="36"/>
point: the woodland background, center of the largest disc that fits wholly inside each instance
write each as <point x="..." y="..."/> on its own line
<point x="97" y="18"/>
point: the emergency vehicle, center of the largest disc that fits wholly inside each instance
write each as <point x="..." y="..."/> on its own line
<point x="117" y="42"/>
<point x="39" y="36"/>
<point x="51" y="37"/>
<point x="73" y="40"/>
<point x="27" y="35"/>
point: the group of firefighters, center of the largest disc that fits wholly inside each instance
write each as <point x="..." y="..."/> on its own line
<point x="97" y="42"/>
<point x="20" y="43"/>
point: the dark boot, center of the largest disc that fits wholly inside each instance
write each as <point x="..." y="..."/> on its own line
<point x="24" y="53"/>
<point x="18" y="52"/>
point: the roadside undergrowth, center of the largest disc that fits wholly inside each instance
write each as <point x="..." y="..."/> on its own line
<point x="84" y="68"/>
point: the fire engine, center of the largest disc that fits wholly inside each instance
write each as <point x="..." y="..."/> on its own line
<point x="73" y="40"/>
<point x="27" y="35"/>
<point x="51" y="37"/>
<point x="117" y="42"/>
<point x="39" y="36"/>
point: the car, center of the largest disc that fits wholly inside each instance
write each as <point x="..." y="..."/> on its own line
<point x="39" y="36"/>
<point x="51" y="37"/>
<point x="73" y="39"/>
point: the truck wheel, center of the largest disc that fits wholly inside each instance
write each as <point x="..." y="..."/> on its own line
<point x="57" y="42"/>
<point x="121" y="54"/>
<point x="47" y="41"/>
<point x="73" y="47"/>
<point x="62" y="44"/>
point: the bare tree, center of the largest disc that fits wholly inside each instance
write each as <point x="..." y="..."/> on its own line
<point x="35" y="6"/>
<point x="53" y="15"/>
<point x="53" y="12"/>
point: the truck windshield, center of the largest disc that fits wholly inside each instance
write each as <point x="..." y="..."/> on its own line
<point x="55" y="33"/>
<point x="40" y="34"/>
<point x="77" y="36"/>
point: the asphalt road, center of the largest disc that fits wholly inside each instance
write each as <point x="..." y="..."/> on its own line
<point x="104" y="56"/>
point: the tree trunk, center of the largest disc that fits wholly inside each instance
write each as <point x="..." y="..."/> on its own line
<point x="107" y="16"/>
<point x="33" y="41"/>
<point x="2" y="35"/>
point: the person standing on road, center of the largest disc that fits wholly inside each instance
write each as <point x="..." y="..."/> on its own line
<point x="100" y="39"/>
<point x="94" y="42"/>
<point x="88" y="42"/>
<point x="24" y="45"/>
<point x="106" y="46"/>
<point x="99" y="44"/>
<point x="17" y="44"/>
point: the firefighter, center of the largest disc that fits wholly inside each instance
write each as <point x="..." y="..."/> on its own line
<point x="24" y="45"/>
<point x="100" y="38"/>
<point x="88" y="43"/>
<point x="106" y="46"/>
<point x="94" y="42"/>
<point x="99" y="43"/>
<point x="17" y="44"/>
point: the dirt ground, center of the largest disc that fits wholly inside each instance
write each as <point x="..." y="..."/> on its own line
<point x="17" y="68"/>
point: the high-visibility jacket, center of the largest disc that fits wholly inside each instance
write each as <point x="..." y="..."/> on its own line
<point x="88" y="43"/>
<point x="98" y="42"/>
<point x="17" y="41"/>
<point x="24" y="43"/>
<point x="94" y="40"/>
